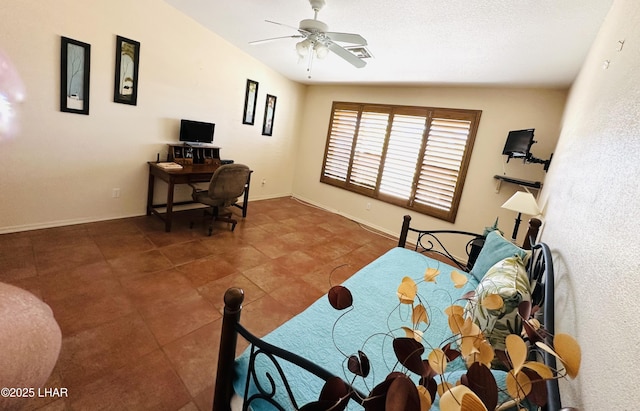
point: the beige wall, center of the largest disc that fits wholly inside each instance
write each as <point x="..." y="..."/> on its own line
<point x="593" y="216"/>
<point x="72" y="162"/>
<point x="503" y="109"/>
<point x="62" y="167"/>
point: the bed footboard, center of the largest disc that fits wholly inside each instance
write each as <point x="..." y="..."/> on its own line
<point x="231" y="328"/>
<point x="223" y="391"/>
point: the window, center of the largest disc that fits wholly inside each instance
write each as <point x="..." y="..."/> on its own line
<point x="414" y="157"/>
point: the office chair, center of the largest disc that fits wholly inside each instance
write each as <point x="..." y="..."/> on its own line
<point x="226" y="186"/>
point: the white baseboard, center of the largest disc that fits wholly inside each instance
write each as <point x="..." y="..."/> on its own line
<point x="75" y="221"/>
<point x="350" y="217"/>
<point x="59" y="223"/>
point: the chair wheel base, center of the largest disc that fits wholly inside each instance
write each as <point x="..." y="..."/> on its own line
<point x="218" y="215"/>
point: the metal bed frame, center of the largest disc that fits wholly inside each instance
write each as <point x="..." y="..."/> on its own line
<point x="539" y="269"/>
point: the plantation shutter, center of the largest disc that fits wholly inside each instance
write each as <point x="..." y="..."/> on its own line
<point x="368" y="151"/>
<point x="403" y="151"/>
<point x="443" y="155"/>
<point x="414" y="157"/>
<point x="343" y="129"/>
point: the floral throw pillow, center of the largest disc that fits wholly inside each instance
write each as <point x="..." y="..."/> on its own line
<point x="508" y="279"/>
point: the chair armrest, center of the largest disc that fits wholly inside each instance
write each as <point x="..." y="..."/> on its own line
<point x="195" y="188"/>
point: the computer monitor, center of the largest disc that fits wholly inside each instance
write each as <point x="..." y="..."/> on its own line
<point x="518" y="143"/>
<point x="196" y="131"/>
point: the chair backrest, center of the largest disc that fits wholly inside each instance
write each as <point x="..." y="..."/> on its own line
<point x="228" y="182"/>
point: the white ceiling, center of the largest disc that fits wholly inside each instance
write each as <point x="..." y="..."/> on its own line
<point x="426" y="42"/>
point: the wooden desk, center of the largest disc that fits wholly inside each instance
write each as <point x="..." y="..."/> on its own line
<point x="196" y="173"/>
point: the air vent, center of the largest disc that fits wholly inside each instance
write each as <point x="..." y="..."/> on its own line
<point x="360" y="51"/>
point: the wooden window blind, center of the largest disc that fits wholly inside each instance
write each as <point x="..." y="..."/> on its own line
<point x="414" y="157"/>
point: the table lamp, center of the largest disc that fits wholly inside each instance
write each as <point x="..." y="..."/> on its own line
<point x="524" y="203"/>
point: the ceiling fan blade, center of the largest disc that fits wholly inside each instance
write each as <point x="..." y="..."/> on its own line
<point x="282" y="24"/>
<point x="347" y="38"/>
<point x="297" y="36"/>
<point x="347" y="55"/>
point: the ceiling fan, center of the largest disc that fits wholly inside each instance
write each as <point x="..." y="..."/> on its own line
<point x="316" y="39"/>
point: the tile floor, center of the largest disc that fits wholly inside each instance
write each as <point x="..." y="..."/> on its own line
<point x="140" y="308"/>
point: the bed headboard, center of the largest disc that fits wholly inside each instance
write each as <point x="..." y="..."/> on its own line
<point x="433" y="242"/>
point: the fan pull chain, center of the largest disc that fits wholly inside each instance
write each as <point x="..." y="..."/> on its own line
<point x="310" y="64"/>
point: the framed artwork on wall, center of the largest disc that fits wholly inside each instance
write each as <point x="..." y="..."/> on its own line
<point x="75" y="64"/>
<point x="269" y="112"/>
<point x="250" y="100"/>
<point x="125" y="89"/>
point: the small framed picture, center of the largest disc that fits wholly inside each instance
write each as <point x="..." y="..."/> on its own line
<point x="250" y="100"/>
<point x="75" y="64"/>
<point x="269" y="112"/>
<point x="125" y="89"/>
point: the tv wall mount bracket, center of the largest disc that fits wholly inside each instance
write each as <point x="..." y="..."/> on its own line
<point x="529" y="158"/>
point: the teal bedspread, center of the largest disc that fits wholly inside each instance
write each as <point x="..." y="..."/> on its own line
<point x="326" y="336"/>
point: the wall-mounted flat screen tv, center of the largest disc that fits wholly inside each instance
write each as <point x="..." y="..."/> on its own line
<point x="518" y="143"/>
<point x="196" y="131"/>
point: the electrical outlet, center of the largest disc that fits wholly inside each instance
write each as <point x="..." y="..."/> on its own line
<point x="264" y="181"/>
<point x="115" y="193"/>
<point x="368" y="206"/>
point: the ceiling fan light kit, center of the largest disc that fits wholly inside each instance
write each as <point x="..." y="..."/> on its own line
<point x="318" y="40"/>
<point x="305" y="45"/>
<point x="303" y="48"/>
<point x="321" y="51"/>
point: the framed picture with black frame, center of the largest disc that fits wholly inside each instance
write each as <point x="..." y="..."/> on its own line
<point x="269" y="112"/>
<point x="125" y="85"/>
<point x="250" y="100"/>
<point x="75" y="65"/>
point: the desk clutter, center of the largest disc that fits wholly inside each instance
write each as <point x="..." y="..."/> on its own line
<point x="186" y="154"/>
<point x="170" y="165"/>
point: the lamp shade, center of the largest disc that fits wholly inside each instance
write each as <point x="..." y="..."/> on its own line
<point x="522" y="202"/>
